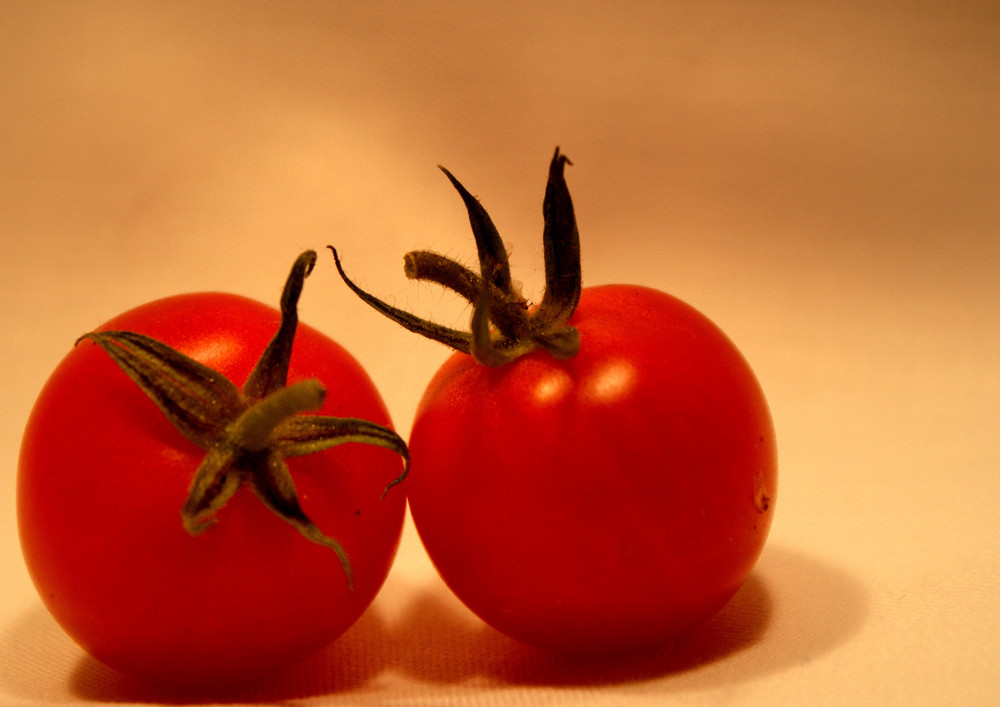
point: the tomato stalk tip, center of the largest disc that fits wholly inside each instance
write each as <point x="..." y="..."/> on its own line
<point x="253" y="429"/>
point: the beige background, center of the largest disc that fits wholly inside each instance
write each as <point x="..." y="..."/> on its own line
<point x="819" y="178"/>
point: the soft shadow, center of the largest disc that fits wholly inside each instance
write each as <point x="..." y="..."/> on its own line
<point x="791" y="606"/>
<point x="346" y="664"/>
<point x="439" y="641"/>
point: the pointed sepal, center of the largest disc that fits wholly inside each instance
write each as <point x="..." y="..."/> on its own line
<point x="272" y="482"/>
<point x="197" y="400"/>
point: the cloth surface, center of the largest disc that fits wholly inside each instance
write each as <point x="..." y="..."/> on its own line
<point x="820" y="179"/>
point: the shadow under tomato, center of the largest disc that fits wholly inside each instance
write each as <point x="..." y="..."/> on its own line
<point x="346" y="664"/>
<point x="793" y="608"/>
<point x="439" y="641"/>
<point x="796" y="605"/>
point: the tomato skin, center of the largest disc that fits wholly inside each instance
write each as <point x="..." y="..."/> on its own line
<point x="603" y="503"/>
<point x="102" y="478"/>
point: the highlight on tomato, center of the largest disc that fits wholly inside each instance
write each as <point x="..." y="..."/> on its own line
<point x="193" y="533"/>
<point x="594" y="473"/>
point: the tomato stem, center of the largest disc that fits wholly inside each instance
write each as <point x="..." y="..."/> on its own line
<point x="507" y="308"/>
<point x="253" y="430"/>
<point x="246" y="434"/>
<point x="503" y="327"/>
<point x="454" y="338"/>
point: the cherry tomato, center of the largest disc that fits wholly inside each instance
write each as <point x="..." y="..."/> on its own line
<point x="103" y="476"/>
<point x="595" y="473"/>
<point x="605" y="502"/>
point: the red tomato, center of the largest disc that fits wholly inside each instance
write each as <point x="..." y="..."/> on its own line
<point x="607" y="501"/>
<point x="103" y="476"/>
<point x="595" y="473"/>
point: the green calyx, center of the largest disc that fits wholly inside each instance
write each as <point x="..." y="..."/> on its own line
<point x="248" y="433"/>
<point x="503" y="326"/>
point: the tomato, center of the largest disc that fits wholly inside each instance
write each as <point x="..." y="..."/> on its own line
<point x="605" y="502"/>
<point x="592" y="474"/>
<point x="103" y="476"/>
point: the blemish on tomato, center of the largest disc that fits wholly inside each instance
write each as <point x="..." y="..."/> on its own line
<point x="761" y="498"/>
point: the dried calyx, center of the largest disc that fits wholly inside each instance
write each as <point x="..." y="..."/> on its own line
<point x="246" y="434"/>
<point x="503" y="326"/>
